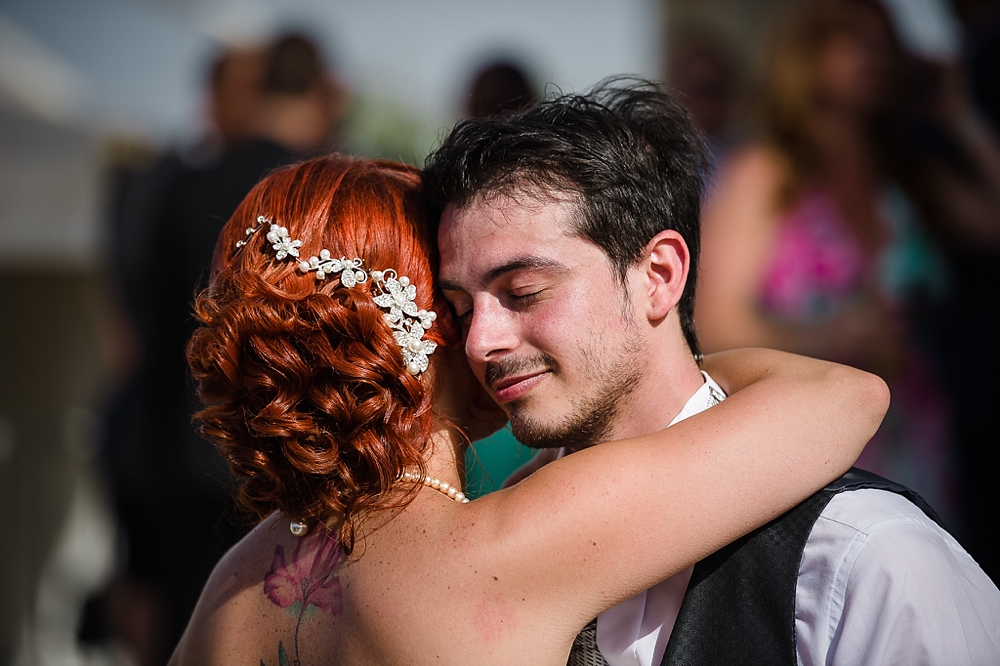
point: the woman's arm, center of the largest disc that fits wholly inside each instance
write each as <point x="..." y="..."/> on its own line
<point x="738" y="369"/>
<point x="592" y="529"/>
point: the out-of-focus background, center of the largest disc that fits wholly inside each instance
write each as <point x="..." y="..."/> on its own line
<point x="855" y="216"/>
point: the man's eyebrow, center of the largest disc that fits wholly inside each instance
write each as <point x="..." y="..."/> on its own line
<point x="527" y="261"/>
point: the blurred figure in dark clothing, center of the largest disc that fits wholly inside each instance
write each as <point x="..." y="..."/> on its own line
<point x="303" y="102"/>
<point x="973" y="328"/>
<point x="236" y="84"/>
<point x="498" y="88"/>
<point x="703" y="72"/>
<point x="270" y="106"/>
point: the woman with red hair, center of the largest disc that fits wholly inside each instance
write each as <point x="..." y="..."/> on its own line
<point x="325" y="363"/>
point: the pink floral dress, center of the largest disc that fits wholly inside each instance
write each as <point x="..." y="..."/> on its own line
<point x="818" y="268"/>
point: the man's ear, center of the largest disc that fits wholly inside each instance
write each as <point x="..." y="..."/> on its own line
<point x="667" y="264"/>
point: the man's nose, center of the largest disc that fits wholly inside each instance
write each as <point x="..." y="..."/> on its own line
<point x="492" y="332"/>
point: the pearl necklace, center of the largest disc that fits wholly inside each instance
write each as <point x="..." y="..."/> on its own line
<point x="438" y="485"/>
<point x="301" y="528"/>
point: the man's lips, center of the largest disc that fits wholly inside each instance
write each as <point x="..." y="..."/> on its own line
<point x="512" y="388"/>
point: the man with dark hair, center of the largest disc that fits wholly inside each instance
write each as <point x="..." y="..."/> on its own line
<point x="569" y="238"/>
<point x="646" y="146"/>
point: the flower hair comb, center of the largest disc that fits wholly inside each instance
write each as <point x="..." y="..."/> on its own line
<point x="392" y="292"/>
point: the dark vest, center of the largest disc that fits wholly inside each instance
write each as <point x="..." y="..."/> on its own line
<point x="739" y="608"/>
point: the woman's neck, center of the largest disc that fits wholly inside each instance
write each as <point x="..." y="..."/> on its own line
<point x="446" y="454"/>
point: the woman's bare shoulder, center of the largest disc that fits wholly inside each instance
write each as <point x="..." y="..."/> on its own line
<point x="245" y="565"/>
<point x="742" y="204"/>
<point x="757" y="162"/>
<point x="234" y="602"/>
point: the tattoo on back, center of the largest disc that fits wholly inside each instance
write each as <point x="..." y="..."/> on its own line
<point x="305" y="584"/>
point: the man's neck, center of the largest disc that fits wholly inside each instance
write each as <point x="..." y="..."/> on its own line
<point x="659" y="397"/>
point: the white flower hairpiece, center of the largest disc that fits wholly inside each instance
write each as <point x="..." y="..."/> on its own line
<point x="393" y="293"/>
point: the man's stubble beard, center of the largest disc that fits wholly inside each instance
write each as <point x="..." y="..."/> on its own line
<point x="591" y="418"/>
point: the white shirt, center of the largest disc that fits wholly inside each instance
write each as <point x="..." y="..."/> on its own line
<point x="879" y="583"/>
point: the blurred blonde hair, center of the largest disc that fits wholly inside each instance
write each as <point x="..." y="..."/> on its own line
<point x="789" y="90"/>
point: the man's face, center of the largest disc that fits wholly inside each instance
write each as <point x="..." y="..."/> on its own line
<point x="548" y="328"/>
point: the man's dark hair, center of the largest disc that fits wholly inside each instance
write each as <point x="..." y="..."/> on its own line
<point x="627" y="151"/>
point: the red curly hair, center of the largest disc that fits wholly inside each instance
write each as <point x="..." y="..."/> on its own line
<point x="304" y="388"/>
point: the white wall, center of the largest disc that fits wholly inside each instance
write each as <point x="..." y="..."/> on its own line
<point x="143" y="59"/>
<point x="77" y="71"/>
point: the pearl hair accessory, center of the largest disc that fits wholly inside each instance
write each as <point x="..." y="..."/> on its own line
<point x="298" y="528"/>
<point x="393" y="293"/>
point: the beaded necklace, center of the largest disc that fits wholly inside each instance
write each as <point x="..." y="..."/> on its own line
<point x="301" y="528"/>
<point x="437" y="484"/>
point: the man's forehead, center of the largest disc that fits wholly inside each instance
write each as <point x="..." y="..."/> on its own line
<point x="481" y="239"/>
<point x="489" y="240"/>
<point x="524" y="192"/>
<point x="487" y="214"/>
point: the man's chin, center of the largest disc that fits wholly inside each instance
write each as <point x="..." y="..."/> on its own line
<point x="535" y="438"/>
<point x="526" y="428"/>
<point x="538" y="433"/>
<point x="577" y="429"/>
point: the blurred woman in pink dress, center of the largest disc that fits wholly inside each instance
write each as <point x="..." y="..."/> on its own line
<point x="813" y="241"/>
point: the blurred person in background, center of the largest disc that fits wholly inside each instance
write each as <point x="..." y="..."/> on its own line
<point x="133" y="612"/>
<point x="236" y="96"/>
<point x="702" y="69"/>
<point x="303" y="101"/>
<point x="269" y="106"/>
<point x="973" y="247"/>
<point x="497" y="88"/>
<point x="816" y="239"/>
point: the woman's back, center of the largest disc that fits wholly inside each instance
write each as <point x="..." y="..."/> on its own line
<point x="413" y="592"/>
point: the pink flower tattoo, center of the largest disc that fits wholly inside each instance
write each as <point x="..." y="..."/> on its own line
<point x="307" y="581"/>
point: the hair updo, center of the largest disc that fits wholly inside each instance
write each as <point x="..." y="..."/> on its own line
<point x="304" y="387"/>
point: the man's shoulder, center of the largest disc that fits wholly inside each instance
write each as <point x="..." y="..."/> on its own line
<point x="868" y="511"/>
<point x="878" y="576"/>
<point x="879" y="528"/>
<point x="876" y="545"/>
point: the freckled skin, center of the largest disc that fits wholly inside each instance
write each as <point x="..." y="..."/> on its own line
<point x="493" y="619"/>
